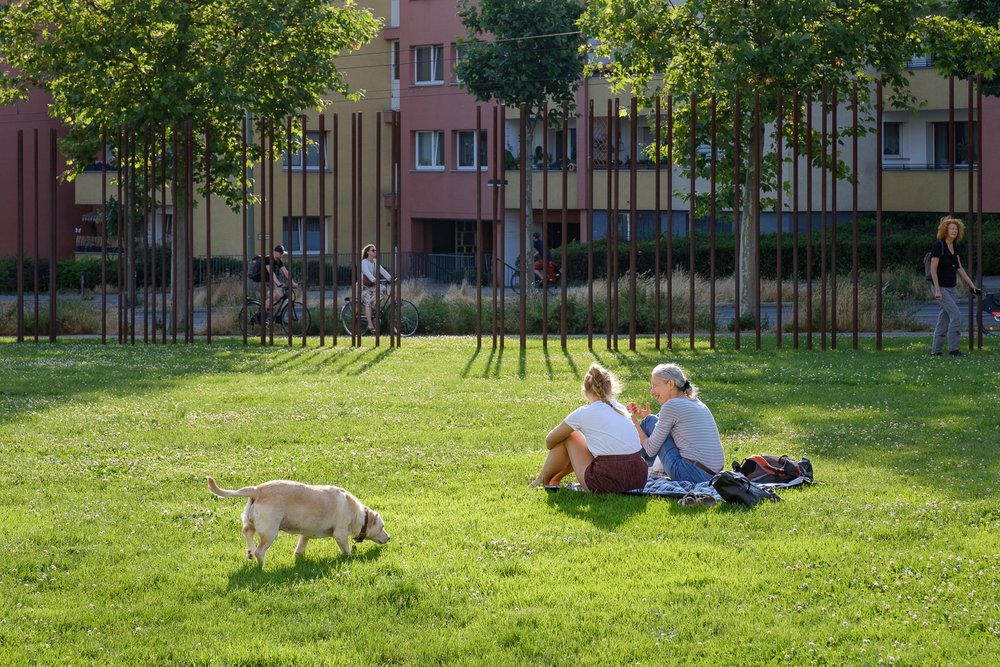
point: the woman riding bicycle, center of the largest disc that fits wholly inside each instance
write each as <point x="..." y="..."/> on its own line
<point x="369" y="282"/>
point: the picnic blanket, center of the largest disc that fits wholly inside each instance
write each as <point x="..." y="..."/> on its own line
<point x="662" y="486"/>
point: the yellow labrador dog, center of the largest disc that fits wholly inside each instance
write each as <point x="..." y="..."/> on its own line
<point x="304" y="510"/>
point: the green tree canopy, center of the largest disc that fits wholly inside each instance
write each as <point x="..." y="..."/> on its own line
<point x="522" y="52"/>
<point x="135" y="63"/>
<point x="657" y="48"/>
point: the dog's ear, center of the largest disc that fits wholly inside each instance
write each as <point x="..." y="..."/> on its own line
<point x="372" y="515"/>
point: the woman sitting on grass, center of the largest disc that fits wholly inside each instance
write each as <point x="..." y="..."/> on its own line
<point x="596" y="441"/>
<point x="684" y="436"/>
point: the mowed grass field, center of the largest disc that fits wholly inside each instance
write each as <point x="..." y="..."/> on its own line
<point x="115" y="553"/>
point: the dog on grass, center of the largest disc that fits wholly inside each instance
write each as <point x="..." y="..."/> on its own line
<point x="304" y="510"/>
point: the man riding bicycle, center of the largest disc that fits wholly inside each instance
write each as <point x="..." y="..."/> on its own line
<point x="275" y="276"/>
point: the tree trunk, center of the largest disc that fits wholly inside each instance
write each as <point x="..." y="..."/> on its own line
<point x="748" y="232"/>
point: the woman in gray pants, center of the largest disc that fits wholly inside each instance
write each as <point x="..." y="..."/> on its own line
<point x="946" y="267"/>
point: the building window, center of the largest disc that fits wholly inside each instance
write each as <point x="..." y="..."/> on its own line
<point x="964" y="145"/>
<point x="294" y="161"/>
<point x="890" y="139"/>
<point x="468" y="146"/>
<point x="429" y="64"/>
<point x="465" y="237"/>
<point x="395" y="60"/>
<point x="571" y="148"/>
<point x="430" y="150"/>
<point x="460" y="51"/>
<point x="292" y="234"/>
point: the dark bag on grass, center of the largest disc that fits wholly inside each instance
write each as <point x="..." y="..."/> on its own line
<point x="253" y="273"/>
<point x="735" y="488"/>
<point x="770" y="469"/>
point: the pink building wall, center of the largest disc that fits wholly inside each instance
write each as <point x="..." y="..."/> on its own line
<point x="30" y="116"/>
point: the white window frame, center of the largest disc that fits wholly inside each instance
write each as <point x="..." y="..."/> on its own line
<point x="434" y="55"/>
<point x="293" y="240"/>
<point x="293" y="162"/>
<point x="478" y="142"/>
<point x="394" y="61"/>
<point x="459" y="51"/>
<point x="436" y="138"/>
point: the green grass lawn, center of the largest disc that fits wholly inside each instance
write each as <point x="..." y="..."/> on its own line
<point x="115" y="553"/>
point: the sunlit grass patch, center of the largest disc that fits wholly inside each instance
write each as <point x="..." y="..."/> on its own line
<point x="116" y="553"/>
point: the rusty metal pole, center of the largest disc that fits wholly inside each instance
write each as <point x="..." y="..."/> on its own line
<point x="288" y="228"/>
<point x="589" y="161"/>
<point x="979" y="200"/>
<point x="633" y="215"/>
<point x="711" y="223"/>
<point x="104" y="235"/>
<point x="795" y="219"/>
<point x="545" y="226"/>
<point x="322" y="229"/>
<point x="208" y="231"/>
<point x="659" y="229"/>
<point x="809" y="219"/>
<point x="878" y="216"/>
<point x="479" y="228"/>
<point x="823" y="173"/>
<point x="758" y="134"/>
<point x="616" y="235"/>
<point x="145" y="235"/>
<point x="971" y="150"/>
<point x="737" y="132"/>
<point x="189" y="131"/>
<point x="305" y="234"/>
<point x="691" y="214"/>
<point x="854" y="214"/>
<point x="336" y="225"/>
<point x="177" y="222"/>
<point x="38" y="226"/>
<point x="833" y="218"/>
<point x="951" y="146"/>
<point x="20" y="237"/>
<point x="497" y="265"/>
<point x="163" y="234"/>
<point x="53" y="199"/>
<point x="244" y="202"/>
<point x="779" y="214"/>
<point x="563" y="313"/>
<point x="271" y="217"/>
<point x="670" y="221"/>
<point x="355" y="241"/>
<point x="502" y="218"/>
<point x="609" y="227"/>
<point x="393" y="319"/>
<point x="522" y="231"/>
<point x="265" y="254"/>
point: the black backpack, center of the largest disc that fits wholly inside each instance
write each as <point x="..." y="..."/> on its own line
<point x="253" y="272"/>
<point x="927" y="267"/>
<point x="770" y="469"/>
<point x="735" y="488"/>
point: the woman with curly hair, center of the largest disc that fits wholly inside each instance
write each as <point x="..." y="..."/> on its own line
<point x="946" y="267"/>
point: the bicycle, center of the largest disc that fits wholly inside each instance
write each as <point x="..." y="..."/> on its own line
<point x="553" y="275"/>
<point x="287" y="313"/>
<point x="409" y="316"/>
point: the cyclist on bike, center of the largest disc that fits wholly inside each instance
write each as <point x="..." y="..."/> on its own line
<point x="275" y="275"/>
<point x="369" y="281"/>
<point x="545" y="271"/>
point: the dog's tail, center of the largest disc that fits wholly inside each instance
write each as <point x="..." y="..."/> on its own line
<point x="245" y="492"/>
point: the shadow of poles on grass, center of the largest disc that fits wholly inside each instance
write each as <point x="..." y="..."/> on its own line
<point x="304" y="568"/>
<point x="605" y="511"/>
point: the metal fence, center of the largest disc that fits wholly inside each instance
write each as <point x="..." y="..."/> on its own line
<point x="157" y="288"/>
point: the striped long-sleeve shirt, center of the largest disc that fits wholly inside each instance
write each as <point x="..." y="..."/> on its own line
<point x="694" y="431"/>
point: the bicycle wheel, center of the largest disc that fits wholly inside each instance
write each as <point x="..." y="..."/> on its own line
<point x="409" y="317"/>
<point x="347" y="317"/>
<point x="295" y="318"/>
<point x="251" y="324"/>
<point x="515" y="282"/>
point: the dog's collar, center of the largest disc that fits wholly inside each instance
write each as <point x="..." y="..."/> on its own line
<point x="364" y="528"/>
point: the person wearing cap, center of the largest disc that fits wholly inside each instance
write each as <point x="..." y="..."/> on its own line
<point x="684" y="436"/>
<point x="369" y="282"/>
<point x="275" y="274"/>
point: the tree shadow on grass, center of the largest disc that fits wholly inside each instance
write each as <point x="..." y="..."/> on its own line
<point x="304" y="568"/>
<point x="604" y="511"/>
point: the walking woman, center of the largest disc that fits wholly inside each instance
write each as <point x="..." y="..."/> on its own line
<point x="596" y="441"/>
<point x="946" y="266"/>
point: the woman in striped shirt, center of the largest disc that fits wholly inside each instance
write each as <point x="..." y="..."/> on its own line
<point x="684" y="436"/>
